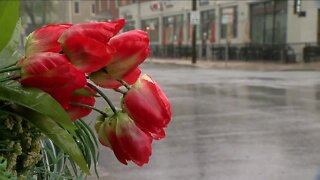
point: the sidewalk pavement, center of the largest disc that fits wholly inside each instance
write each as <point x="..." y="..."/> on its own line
<point x="240" y="65"/>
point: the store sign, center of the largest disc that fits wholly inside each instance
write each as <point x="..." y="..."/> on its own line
<point x="155" y="6"/>
<point x="195" y="17"/>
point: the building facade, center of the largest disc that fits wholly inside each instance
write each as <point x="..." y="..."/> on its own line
<point x="253" y="29"/>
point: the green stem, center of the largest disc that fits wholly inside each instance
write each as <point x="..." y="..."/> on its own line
<point x="10" y="65"/>
<point x="13" y="68"/>
<point x="120" y="91"/>
<point x="125" y="84"/>
<point x="9" y="78"/>
<point x="90" y="107"/>
<point x="103" y="96"/>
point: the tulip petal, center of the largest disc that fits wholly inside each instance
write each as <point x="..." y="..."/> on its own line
<point x="100" y="31"/>
<point x="87" y="54"/>
<point x="103" y="79"/>
<point x="132" y="48"/>
<point x="50" y="71"/>
<point x="76" y="112"/>
<point x="112" y="136"/>
<point x="134" y="142"/>
<point x="148" y="106"/>
<point x="45" y="39"/>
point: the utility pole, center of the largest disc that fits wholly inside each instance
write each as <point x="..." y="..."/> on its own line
<point x="194" y="34"/>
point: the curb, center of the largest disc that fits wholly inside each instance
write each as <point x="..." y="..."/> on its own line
<point x="240" y="65"/>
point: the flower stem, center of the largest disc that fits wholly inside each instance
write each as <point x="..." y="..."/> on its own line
<point x="90" y="107"/>
<point x="9" y="78"/>
<point x="125" y="84"/>
<point x="103" y="96"/>
<point x="13" y="68"/>
<point x="120" y="91"/>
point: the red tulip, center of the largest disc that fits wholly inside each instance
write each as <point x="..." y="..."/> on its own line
<point x="86" y="45"/>
<point x="128" y="142"/>
<point x="75" y="111"/>
<point x="52" y="73"/>
<point x="103" y="79"/>
<point x="45" y="39"/>
<point x="148" y="106"/>
<point x="132" y="48"/>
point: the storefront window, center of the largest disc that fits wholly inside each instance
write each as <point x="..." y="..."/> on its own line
<point x="152" y="27"/>
<point x="228" y="22"/>
<point x="173" y="30"/>
<point x="208" y="26"/>
<point x="130" y="25"/>
<point x="269" y="22"/>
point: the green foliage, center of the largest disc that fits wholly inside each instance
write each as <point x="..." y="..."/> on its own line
<point x="9" y="13"/>
<point x="4" y="174"/>
<point x="20" y="144"/>
<point x="46" y="114"/>
<point x="70" y="149"/>
<point x="10" y="54"/>
<point x="36" y="100"/>
<point x="58" y="165"/>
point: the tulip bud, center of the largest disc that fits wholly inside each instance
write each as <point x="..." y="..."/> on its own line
<point x="127" y="141"/>
<point x="45" y="39"/>
<point x="132" y="48"/>
<point x="148" y="106"/>
<point x="86" y="45"/>
<point x="52" y="73"/>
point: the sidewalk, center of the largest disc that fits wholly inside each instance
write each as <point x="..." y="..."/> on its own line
<point x="240" y="65"/>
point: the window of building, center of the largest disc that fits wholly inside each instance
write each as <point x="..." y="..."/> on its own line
<point x="130" y="25"/>
<point x="228" y="22"/>
<point x="203" y="2"/>
<point x="152" y="27"/>
<point x="207" y="24"/>
<point x="76" y="7"/>
<point x="93" y="9"/>
<point x="268" y="22"/>
<point x="173" y="30"/>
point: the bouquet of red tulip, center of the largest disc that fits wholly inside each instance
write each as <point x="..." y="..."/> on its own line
<point x="57" y="82"/>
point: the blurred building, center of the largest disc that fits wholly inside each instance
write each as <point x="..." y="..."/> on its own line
<point x="280" y="30"/>
<point x="75" y="11"/>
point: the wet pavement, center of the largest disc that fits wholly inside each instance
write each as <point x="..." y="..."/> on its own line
<point x="232" y="125"/>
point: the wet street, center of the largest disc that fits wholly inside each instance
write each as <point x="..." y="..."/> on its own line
<point x="232" y="125"/>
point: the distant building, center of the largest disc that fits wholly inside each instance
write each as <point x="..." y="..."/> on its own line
<point x="254" y="29"/>
<point x="75" y="11"/>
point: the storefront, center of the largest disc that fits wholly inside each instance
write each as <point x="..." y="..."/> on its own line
<point x="268" y="22"/>
<point x="172" y="33"/>
<point x="152" y="27"/>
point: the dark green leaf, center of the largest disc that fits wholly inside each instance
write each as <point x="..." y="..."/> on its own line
<point x="90" y="141"/>
<point x="9" y="13"/>
<point x="36" y="100"/>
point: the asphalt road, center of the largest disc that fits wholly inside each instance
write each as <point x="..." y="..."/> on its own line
<point x="231" y="125"/>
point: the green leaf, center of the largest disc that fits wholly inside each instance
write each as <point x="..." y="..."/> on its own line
<point x="10" y="54"/>
<point x="84" y="92"/>
<point x="36" y="100"/>
<point x="9" y="13"/>
<point x="90" y="141"/>
<point x="59" y="136"/>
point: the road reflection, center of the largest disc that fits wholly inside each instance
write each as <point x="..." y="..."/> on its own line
<point x="228" y="125"/>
